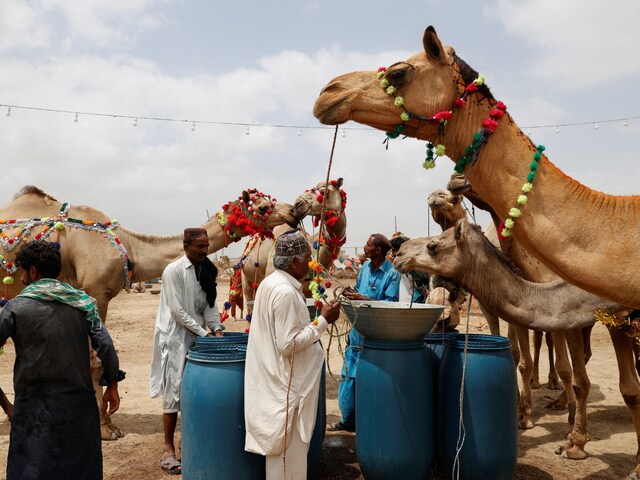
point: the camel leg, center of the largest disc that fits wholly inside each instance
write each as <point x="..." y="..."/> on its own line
<point x="492" y="321"/>
<point x="108" y="431"/>
<point x="6" y="404"/>
<point x="577" y="439"/>
<point x="554" y="381"/>
<point x="629" y="384"/>
<point x="567" y="398"/>
<point x="515" y="346"/>
<point x="525" y="367"/>
<point x="537" y="345"/>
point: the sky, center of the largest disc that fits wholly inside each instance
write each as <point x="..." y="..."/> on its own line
<point x="212" y="68"/>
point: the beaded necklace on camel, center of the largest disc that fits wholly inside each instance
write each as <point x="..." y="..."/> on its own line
<point x="50" y="225"/>
<point x="472" y="151"/>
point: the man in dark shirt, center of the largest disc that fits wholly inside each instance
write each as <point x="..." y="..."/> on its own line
<point x="55" y="424"/>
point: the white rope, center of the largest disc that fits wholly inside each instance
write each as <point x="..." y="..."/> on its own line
<point x="461" y="429"/>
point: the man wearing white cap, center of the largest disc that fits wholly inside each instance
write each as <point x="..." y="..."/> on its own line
<point x="284" y="364"/>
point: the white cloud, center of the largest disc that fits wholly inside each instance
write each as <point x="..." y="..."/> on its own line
<point x="21" y="26"/>
<point x="577" y="43"/>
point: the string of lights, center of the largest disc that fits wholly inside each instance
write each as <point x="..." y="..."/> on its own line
<point x="248" y="125"/>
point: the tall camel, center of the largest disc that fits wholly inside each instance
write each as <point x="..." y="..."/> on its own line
<point x="259" y="262"/>
<point x="578" y="233"/>
<point x="465" y="255"/>
<point x="100" y="263"/>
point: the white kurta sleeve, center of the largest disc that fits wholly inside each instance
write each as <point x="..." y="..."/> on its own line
<point x="287" y="326"/>
<point x="176" y="294"/>
<point x="212" y="318"/>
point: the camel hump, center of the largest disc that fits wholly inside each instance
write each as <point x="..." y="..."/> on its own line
<point x="27" y="189"/>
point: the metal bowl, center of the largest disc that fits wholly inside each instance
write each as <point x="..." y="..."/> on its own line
<point x="392" y="320"/>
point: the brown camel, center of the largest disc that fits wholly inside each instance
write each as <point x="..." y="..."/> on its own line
<point x="330" y="238"/>
<point x="578" y="233"/>
<point x="446" y="209"/>
<point x="466" y="256"/>
<point x="104" y="266"/>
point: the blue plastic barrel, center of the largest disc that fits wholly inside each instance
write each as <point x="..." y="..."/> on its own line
<point x="395" y="414"/>
<point x="489" y="448"/>
<point x="213" y="430"/>
<point x="435" y="344"/>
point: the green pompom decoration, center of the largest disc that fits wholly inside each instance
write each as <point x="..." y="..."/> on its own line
<point x="531" y="177"/>
<point x="537" y="156"/>
<point x="533" y="165"/>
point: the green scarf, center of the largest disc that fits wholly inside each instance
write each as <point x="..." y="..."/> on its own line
<point x="52" y="290"/>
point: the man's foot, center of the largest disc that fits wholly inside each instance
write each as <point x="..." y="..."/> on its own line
<point x="171" y="464"/>
<point x="339" y="426"/>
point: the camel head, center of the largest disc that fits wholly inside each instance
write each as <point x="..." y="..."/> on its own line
<point x="446" y="208"/>
<point x="254" y="213"/>
<point x="445" y="255"/>
<point x="310" y="202"/>
<point x="427" y="82"/>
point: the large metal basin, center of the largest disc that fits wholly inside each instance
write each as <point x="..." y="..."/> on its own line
<point x="391" y="320"/>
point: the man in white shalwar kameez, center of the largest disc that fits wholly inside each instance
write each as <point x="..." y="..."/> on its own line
<point x="187" y="305"/>
<point x="282" y="335"/>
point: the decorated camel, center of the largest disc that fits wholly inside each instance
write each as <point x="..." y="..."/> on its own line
<point x="101" y="263"/>
<point x="258" y="262"/>
<point x="578" y="233"/>
<point x="465" y="255"/>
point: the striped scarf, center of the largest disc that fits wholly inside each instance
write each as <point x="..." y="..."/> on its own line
<point x="52" y="290"/>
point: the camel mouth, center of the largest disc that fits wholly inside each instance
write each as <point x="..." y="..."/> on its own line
<point x="331" y="112"/>
<point x="402" y="264"/>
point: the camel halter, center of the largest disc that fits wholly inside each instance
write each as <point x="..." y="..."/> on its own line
<point x="241" y="215"/>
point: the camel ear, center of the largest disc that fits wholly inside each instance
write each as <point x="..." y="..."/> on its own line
<point x="459" y="230"/>
<point x="246" y="198"/>
<point x="432" y="45"/>
<point x="339" y="182"/>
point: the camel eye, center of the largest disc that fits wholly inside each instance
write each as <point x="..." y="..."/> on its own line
<point x="432" y="248"/>
<point x="400" y="74"/>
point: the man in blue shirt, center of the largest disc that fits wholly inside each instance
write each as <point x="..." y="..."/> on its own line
<point x="377" y="280"/>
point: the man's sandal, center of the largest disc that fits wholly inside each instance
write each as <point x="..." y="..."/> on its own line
<point x="171" y="465"/>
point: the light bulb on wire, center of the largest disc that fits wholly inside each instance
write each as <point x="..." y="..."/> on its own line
<point x="193" y="127"/>
<point x="75" y="119"/>
<point x="299" y="132"/>
<point x="344" y="134"/>
<point x="247" y="132"/>
<point x="557" y="129"/>
<point x="135" y="122"/>
<point x="8" y="111"/>
<point x="596" y="126"/>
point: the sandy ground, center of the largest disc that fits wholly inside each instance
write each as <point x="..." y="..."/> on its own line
<point x="131" y="320"/>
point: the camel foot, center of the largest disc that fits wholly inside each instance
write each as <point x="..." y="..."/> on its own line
<point x="109" y="431"/>
<point x="535" y="383"/>
<point x="525" y="424"/>
<point x="557" y="404"/>
<point x="571" y="452"/>
<point x="554" y="384"/>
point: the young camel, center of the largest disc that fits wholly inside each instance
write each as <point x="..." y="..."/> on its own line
<point x="98" y="262"/>
<point x="446" y="209"/>
<point x="466" y="256"/>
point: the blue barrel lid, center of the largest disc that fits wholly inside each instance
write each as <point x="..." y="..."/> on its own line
<point x="229" y="337"/>
<point x="218" y="353"/>
<point x="477" y="341"/>
<point x="393" y="344"/>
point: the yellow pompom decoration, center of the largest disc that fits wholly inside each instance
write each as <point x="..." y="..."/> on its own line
<point x="479" y="81"/>
<point x="506" y="232"/>
<point x="522" y="200"/>
<point x="440" y="150"/>
<point x="7" y="280"/>
<point x="404" y="116"/>
<point x="515" y="212"/>
<point x="384" y="83"/>
<point x="398" y="101"/>
<point x="526" y="188"/>
<point x="1" y="258"/>
<point x="391" y="90"/>
<point x="509" y="223"/>
<point x="59" y="226"/>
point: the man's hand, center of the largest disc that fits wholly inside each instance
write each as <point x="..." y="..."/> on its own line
<point x="331" y="311"/>
<point x="218" y="333"/>
<point x="351" y="294"/>
<point x="111" y="399"/>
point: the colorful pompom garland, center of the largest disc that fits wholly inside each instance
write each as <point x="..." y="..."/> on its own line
<point x="506" y="227"/>
<point x="241" y="215"/>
